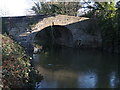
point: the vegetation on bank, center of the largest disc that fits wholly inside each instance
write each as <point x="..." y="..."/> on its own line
<point x="17" y="71"/>
<point x="107" y="16"/>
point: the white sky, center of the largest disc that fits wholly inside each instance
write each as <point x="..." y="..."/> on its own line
<point x="15" y="7"/>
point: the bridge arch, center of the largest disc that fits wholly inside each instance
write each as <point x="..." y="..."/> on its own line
<point x="54" y="35"/>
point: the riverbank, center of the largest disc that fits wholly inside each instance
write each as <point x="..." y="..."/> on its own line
<point x="17" y="71"/>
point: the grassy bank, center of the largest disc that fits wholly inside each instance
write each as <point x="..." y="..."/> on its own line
<point x="17" y="71"/>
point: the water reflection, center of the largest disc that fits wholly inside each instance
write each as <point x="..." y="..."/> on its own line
<point x="113" y="80"/>
<point x="87" y="80"/>
<point x="73" y="68"/>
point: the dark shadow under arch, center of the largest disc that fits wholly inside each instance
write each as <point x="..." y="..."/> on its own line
<point x="54" y="35"/>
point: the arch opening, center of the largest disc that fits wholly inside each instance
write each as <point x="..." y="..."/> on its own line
<point x="55" y="35"/>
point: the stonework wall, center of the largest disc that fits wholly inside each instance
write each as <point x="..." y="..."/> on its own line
<point x="77" y="25"/>
<point x="80" y="27"/>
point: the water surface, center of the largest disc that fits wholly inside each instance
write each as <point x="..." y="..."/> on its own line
<point x="76" y="68"/>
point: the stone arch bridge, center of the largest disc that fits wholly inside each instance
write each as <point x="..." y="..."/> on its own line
<point x="70" y="31"/>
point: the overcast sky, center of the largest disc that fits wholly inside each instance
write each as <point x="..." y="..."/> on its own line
<point x="15" y="7"/>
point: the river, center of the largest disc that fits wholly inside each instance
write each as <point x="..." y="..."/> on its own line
<point x="76" y="68"/>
